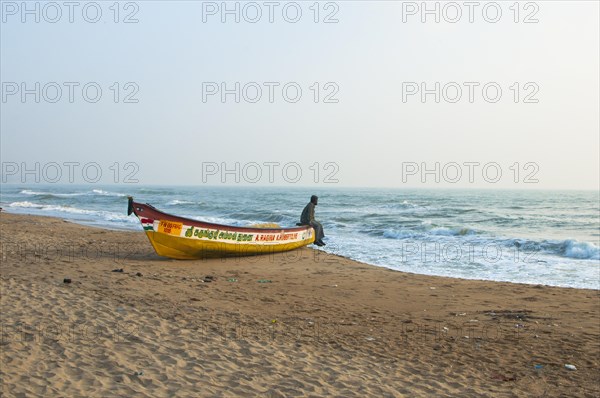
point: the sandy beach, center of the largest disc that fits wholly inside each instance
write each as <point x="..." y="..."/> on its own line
<point x="301" y="323"/>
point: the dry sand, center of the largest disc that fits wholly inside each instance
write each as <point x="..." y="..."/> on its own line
<point x="315" y="325"/>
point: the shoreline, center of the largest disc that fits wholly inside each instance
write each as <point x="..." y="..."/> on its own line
<point x="301" y="321"/>
<point x="102" y="227"/>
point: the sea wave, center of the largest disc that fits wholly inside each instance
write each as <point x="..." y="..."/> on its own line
<point x="587" y="250"/>
<point x="107" y="193"/>
<point x="451" y="231"/>
<point x="432" y="231"/>
<point x="570" y="248"/>
<point x="50" y="194"/>
<point x="29" y="192"/>
<point x="177" y="202"/>
<point x="399" y="234"/>
<point x="91" y="215"/>
<point x="153" y="191"/>
<point x="25" y="204"/>
<point x="58" y="208"/>
<point x="45" y="194"/>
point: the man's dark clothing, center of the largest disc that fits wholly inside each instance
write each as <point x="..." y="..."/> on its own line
<point x="308" y="218"/>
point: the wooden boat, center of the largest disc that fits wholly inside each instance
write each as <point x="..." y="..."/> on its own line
<point x="186" y="239"/>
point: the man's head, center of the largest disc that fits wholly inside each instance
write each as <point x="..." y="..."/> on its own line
<point x="314" y="199"/>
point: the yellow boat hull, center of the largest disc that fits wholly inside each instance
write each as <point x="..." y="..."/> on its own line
<point x="186" y="249"/>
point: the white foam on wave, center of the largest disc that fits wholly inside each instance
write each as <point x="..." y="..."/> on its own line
<point x="176" y="202"/>
<point x="25" y="204"/>
<point x="59" y="195"/>
<point x="107" y="193"/>
<point x="100" y="192"/>
<point x="570" y="248"/>
<point x="581" y="250"/>
<point x="469" y="262"/>
<point x="451" y="231"/>
<point x="91" y="215"/>
<point x="57" y="208"/>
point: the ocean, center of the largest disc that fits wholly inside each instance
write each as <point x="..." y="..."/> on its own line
<point x="523" y="236"/>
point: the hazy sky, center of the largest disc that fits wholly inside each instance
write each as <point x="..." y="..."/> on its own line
<point x="360" y="119"/>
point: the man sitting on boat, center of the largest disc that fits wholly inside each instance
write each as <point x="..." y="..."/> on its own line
<point x="308" y="218"/>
